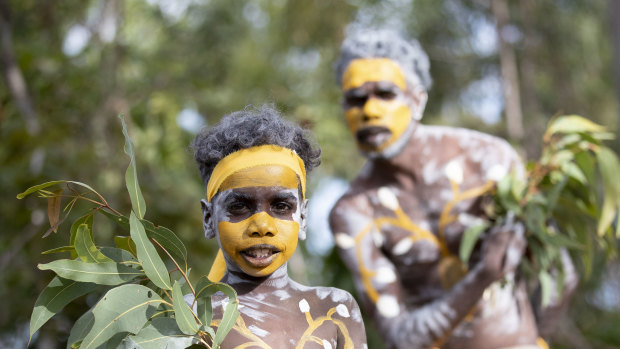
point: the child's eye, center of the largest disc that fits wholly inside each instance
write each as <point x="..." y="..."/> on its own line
<point x="237" y="206"/>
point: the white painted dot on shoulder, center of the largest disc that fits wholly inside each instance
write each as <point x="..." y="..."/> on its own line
<point x="387" y="198"/>
<point x="496" y="173"/>
<point x="342" y="310"/>
<point x="385" y="275"/>
<point x="388" y="306"/>
<point x="344" y="241"/>
<point x="304" y="306"/>
<point x="402" y="247"/>
<point x="454" y="172"/>
<point x="327" y="344"/>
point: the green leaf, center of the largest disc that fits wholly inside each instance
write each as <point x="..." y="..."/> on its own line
<point x="470" y="237"/>
<point x="182" y="312"/>
<point x="49" y="184"/>
<point x="85" y="247"/>
<point x="228" y="321"/>
<point x="125" y="243"/>
<point x="573" y="124"/>
<point x="610" y="168"/>
<point x="546" y="287"/>
<point x="100" y="273"/>
<point x="204" y="290"/>
<point x="58" y="293"/>
<point x="164" y="236"/>
<point x="505" y="194"/>
<point x="154" y="267"/>
<point x="60" y="249"/>
<point x="574" y="172"/>
<point x="85" y="219"/>
<point x="131" y="176"/>
<point x="118" y="255"/>
<point x="123" y="309"/>
<point x="80" y="329"/>
<point x="160" y="333"/>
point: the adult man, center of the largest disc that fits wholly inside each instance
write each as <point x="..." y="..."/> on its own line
<point x="254" y="166"/>
<point x="399" y="226"/>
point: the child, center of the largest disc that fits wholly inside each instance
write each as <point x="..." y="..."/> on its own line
<point x="254" y="165"/>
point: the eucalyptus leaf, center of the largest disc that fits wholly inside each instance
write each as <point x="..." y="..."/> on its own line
<point x="546" y="287"/>
<point x="80" y="329"/>
<point x="58" y="293"/>
<point x="125" y="243"/>
<point x="85" y="219"/>
<point x="123" y="309"/>
<point x="52" y="183"/>
<point x="159" y="333"/>
<point x="164" y="236"/>
<point x="204" y="290"/>
<point x="154" y="267"/>
<point x="100" y="273"/>
<point x="182" y="312"/>
<point x="470" y="237"/>
<point x="85" y="247"/>
<point x="131" y="176"/>
<point x="573" y="124"/>
<point x="53" y="209"/>
<point x="231" y="313"/>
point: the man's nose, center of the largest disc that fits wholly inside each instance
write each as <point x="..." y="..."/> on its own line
<point x="262" y="224"/>
<point x="371" y="110"/>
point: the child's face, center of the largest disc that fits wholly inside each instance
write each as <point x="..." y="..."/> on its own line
<point x="257" y="214"/>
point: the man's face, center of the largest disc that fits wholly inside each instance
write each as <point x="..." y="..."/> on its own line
<point x="376" y="104"/>
<point x="258" y="215"/>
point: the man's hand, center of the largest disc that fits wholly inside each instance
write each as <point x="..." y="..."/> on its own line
<point x="503" y="248"/>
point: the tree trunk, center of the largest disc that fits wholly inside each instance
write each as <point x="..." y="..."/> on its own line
<point x="510" y="75"/>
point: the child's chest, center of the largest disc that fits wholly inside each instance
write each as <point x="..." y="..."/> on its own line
<point x="280" y="322"/>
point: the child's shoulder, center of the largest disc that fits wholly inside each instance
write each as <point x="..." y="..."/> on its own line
<point x="325" y="299"/>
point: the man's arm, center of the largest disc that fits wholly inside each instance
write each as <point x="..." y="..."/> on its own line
<point x="381" y="292"/>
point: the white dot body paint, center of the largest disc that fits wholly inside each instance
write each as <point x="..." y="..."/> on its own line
<point x="377" y="238"/>
<point x="402" y="247"/>
<point x="496" y="173"/>
<point x="468" y="220"/>
<point x="344" y="241"/>
<point x="454" y="172"/>
<point x="342" y="310"/>
<point x="304" y="306"/>
<point x="326" y="344"/>
<point x="385" y="275"/>
<point x="387" y="198"/>
<point x="388" y="306"/>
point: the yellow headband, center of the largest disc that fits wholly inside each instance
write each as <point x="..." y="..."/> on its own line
<point x="256" y="156"/>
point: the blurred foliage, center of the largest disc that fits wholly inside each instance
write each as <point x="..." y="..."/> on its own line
<point x="152" y="59"/>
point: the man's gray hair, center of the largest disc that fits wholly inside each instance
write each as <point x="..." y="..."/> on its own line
<point x="249" y="128"/>
<point x="387" y="44"/>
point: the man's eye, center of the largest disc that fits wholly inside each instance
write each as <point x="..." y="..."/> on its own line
<point x="281" y="207"/>
<point x="386" y="94"/>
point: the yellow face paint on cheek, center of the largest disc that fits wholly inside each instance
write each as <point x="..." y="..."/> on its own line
<point x="260" y="244"/>
<point x="360" y="71"/>
<point x="392" y="114"/>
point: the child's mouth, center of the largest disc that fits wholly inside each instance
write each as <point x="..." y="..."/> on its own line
<point x="260" y="255"/>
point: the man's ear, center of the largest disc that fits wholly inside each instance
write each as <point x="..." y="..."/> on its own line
<point x="418" y="102"/>
<point x="207" y="219"/>
<point x="303" y="224"/>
